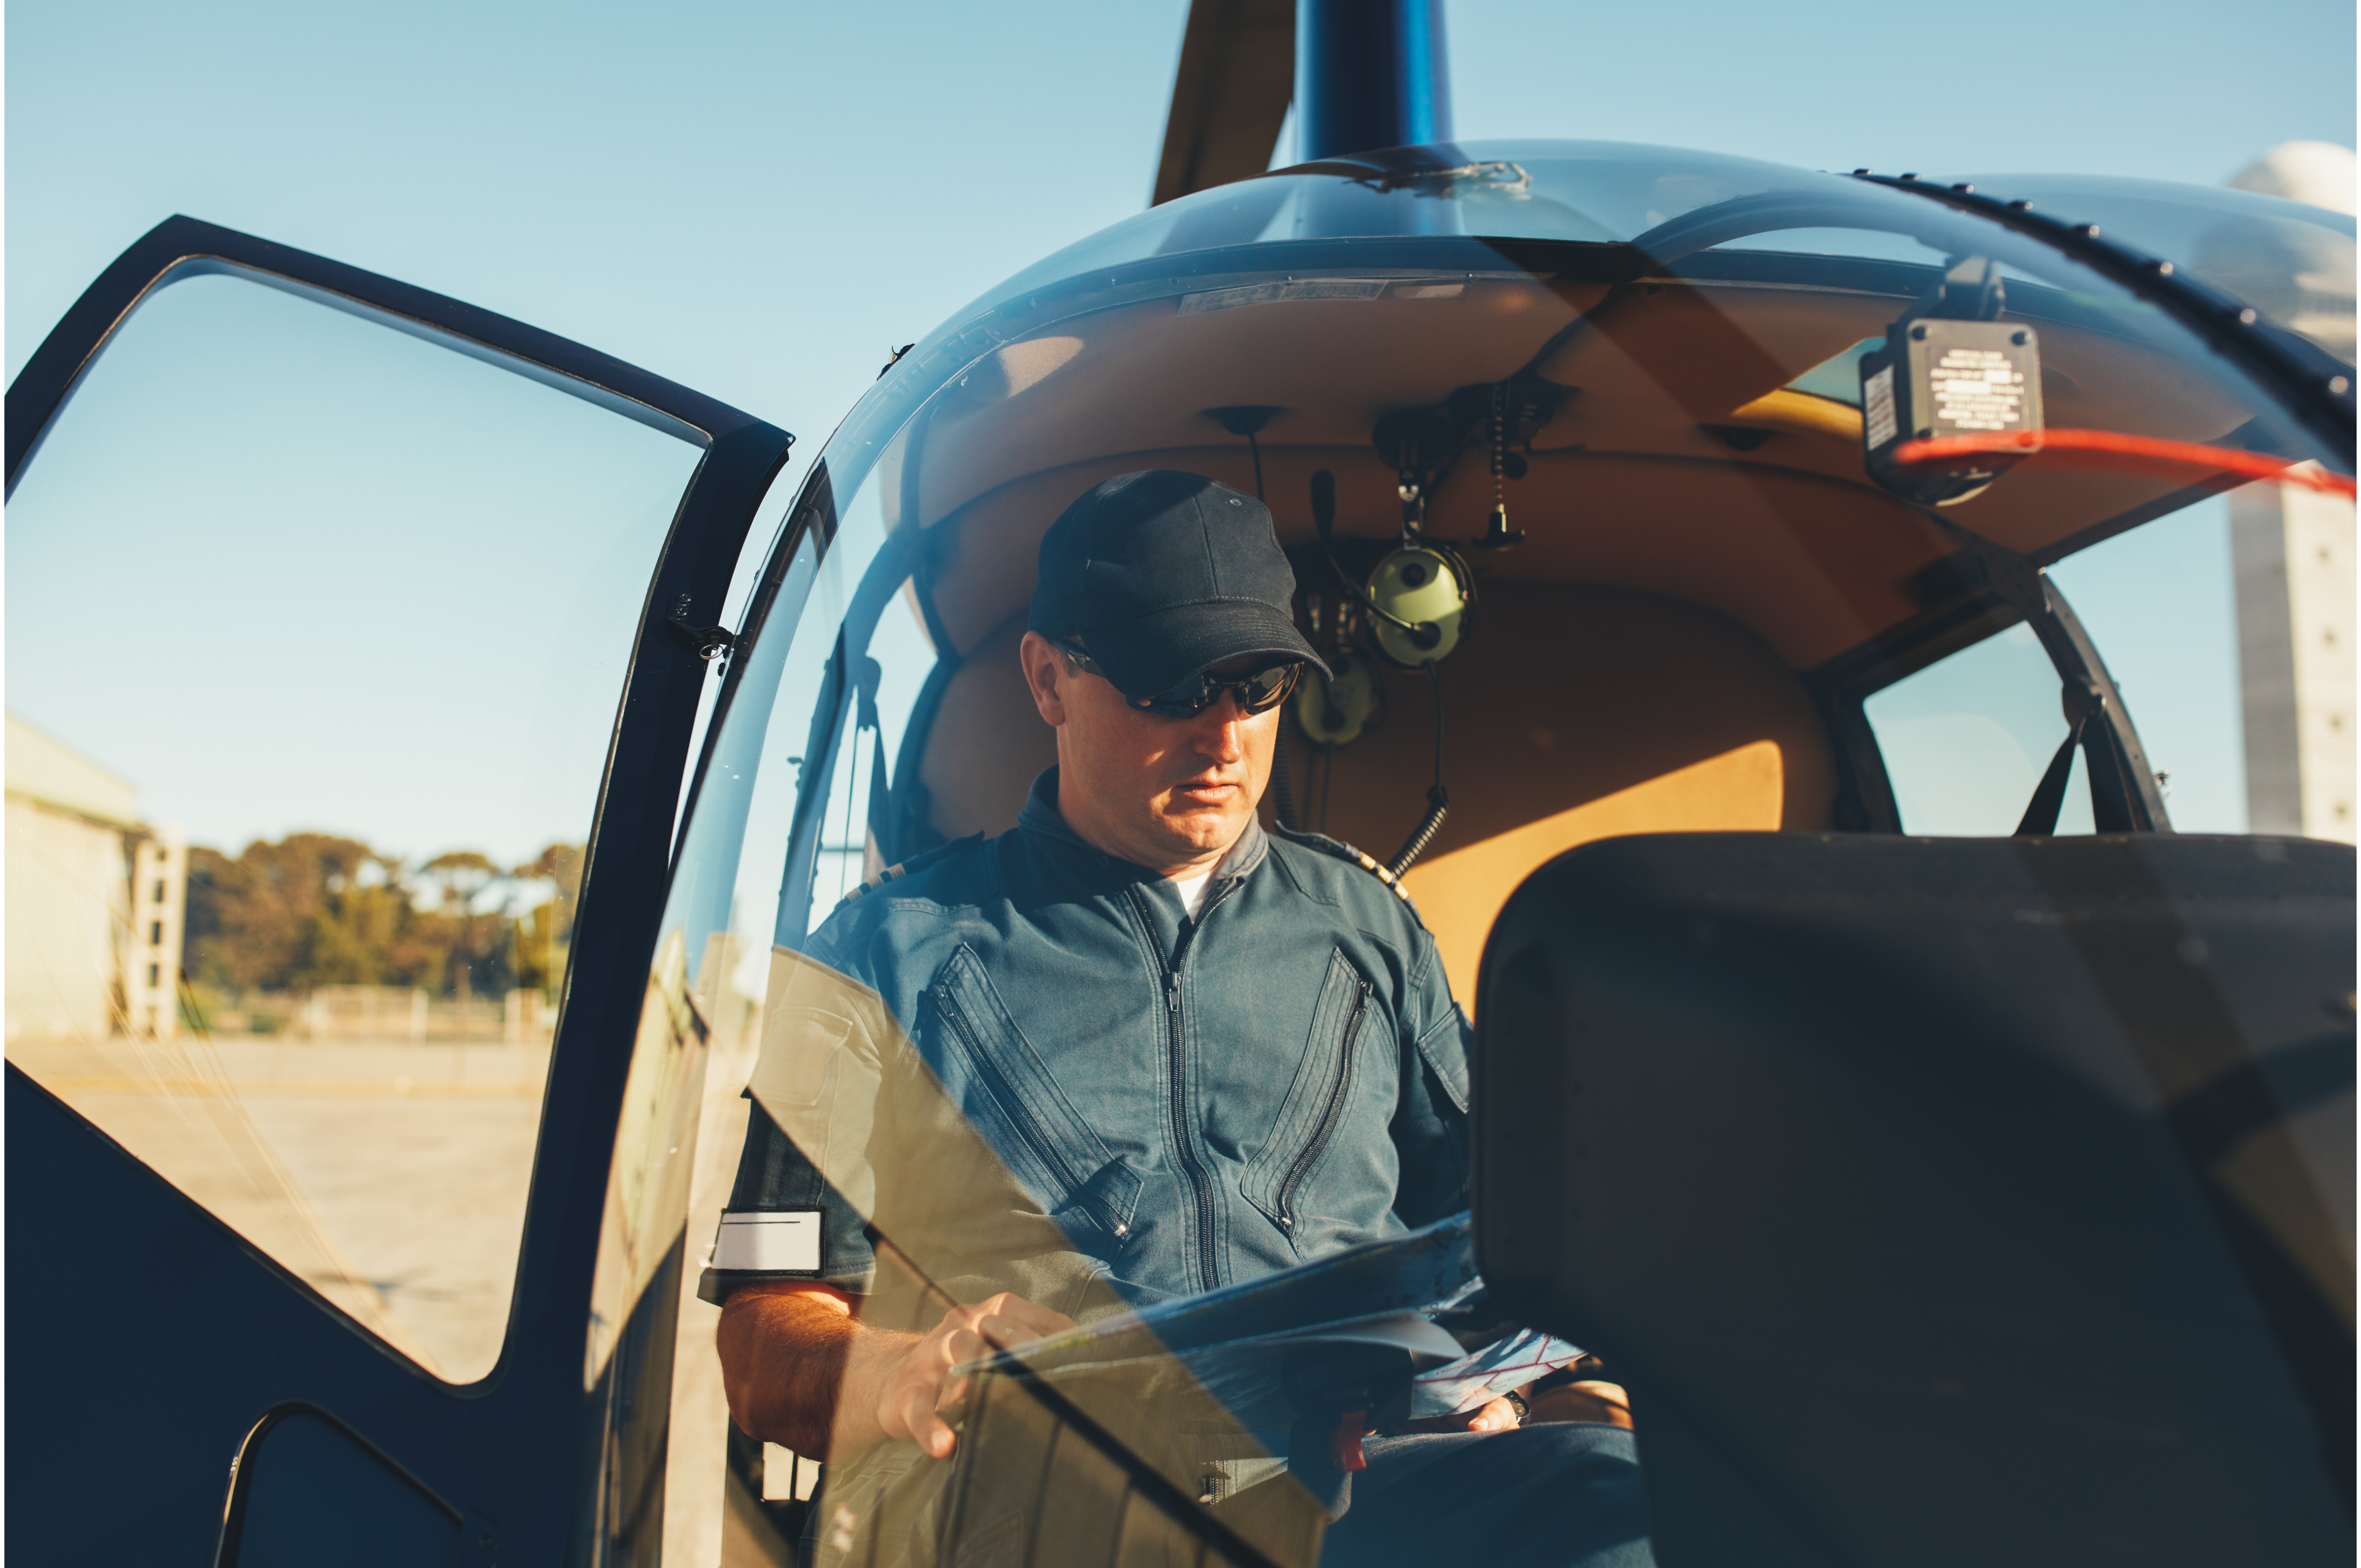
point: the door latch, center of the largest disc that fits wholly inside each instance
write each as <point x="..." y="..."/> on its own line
<point x="707" y="642"/>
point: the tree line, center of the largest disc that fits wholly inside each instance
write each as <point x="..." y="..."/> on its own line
<point x="314" y="909"/>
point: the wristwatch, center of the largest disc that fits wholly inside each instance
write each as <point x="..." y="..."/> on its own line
<point x="1524" y="1412"/>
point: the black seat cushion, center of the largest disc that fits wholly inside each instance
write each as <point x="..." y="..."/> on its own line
<point x="1941" y="1201"/>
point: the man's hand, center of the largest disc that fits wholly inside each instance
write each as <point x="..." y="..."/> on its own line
<point x="1605" y="1403"/>
<point x="1497" y="1415"/>
<point x="799" y="1369"/>
<point x="903" y="1382"/>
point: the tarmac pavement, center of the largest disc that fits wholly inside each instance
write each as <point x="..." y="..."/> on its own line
<point x="391" y="1176"/>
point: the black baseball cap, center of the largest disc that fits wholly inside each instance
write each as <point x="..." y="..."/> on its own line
<point x="1160" y="575"/>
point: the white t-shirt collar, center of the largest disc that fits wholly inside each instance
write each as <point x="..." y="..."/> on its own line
<point x="1191" y="889"/>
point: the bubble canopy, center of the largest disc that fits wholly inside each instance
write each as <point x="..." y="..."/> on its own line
<point x="1640" y="370"/>
<point x="1599" y="211"/>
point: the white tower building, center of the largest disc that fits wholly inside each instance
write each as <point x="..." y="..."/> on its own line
<point x="2292" y="552"/>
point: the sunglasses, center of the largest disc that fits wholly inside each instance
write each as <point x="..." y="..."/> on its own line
<point x="1258" y="693"/>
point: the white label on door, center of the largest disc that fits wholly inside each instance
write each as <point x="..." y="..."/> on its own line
<point x="769" y="1240"/>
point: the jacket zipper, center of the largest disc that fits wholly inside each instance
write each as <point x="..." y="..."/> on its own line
<point x="1027" y="1128"/>
<point x="1184" y="1147"/>
<point x="1329" y="1114"/>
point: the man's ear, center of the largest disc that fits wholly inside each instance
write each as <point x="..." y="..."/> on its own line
<point x="1045" y="671"/>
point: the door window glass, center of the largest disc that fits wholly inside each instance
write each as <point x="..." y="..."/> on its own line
<point x="2161" y="601"/>
<point x="316" y="631"/>
<point x="1967" y="738"/>
<point x="2227" y="628"/>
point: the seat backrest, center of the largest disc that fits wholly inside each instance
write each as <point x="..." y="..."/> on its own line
<point x="1942" y="1201"/>
<point x="1572" y="714"/>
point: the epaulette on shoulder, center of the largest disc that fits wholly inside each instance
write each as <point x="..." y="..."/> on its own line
<point x="1338" y="849"/>
<point x="913" y="865"/>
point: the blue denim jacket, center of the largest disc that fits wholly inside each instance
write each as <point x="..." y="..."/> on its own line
<point x="1194" y="1103"/>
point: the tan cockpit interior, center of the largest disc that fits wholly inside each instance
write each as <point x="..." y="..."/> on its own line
<point x="1700" y="536"/>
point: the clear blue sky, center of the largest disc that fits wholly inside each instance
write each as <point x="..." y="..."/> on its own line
<point x="758" y="199"/>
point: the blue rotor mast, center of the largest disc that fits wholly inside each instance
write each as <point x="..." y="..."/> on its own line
<point x="1361" y="74"/>
<point x="1369" y="74"/>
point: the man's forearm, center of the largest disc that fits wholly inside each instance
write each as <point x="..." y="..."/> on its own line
<point x="795" y="1364"/>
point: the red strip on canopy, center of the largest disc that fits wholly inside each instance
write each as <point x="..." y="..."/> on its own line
<point x="2113" y="449"/>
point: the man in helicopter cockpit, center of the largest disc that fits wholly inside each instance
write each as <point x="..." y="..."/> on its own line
<point x="1206" y="1051"/>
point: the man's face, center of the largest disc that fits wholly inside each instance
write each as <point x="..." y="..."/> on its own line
<point x="1172" y="795"/>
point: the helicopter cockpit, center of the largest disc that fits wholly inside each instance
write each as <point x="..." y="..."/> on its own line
<point x="1628" y="491"/>
<point x="1736" y="587"/>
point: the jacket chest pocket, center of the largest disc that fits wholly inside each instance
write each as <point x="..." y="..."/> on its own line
<point x="1008" y="1093"/>
<point x="1305" y="1131"/>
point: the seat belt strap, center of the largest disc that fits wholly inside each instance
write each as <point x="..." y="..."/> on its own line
<point x="2040" y="819"/>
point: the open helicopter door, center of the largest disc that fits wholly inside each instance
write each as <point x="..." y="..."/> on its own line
<point x="318" y="1217"/>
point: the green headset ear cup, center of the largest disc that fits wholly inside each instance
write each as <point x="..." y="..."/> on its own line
<point x="1426" y="584"/>
<point x="1340" y="711"/>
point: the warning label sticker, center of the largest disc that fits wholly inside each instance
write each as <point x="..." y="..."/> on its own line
<point x="1877" y="406"/>
<point x="1976" y="388"/>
